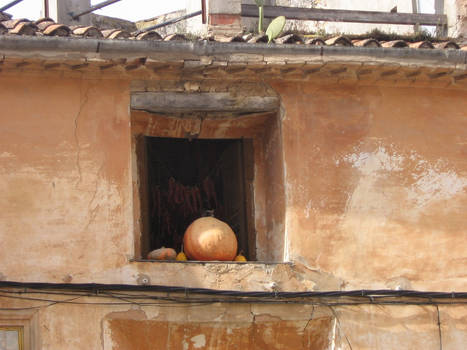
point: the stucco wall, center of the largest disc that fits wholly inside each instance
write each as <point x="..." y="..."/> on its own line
<point x="376" y="182"/>
<point x="375" y="194"/>
<point x="246" y="326"/>
<point x="65" y="177"/>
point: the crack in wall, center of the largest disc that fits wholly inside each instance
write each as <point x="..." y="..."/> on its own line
<point x="96" y="187"/>
<point x="78" y="147"/>
<point x="92" y="217"/>
<point x="94" y="210"/>
<point x="253" y="315"/>
<point x="439" y="330"/>
<point x="304" y="338"/>
<point x="310" y="319"/>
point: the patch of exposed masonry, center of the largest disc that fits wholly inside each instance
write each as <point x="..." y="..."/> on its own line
<point x="430" y="181"/>
<point x="435" y="183"/>
<point x="369" y="163"/>
<point x="198" y="341"/>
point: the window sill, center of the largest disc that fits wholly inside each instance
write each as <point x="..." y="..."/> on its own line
<point x="220" y="275"/>
<point x="196" y="262"/>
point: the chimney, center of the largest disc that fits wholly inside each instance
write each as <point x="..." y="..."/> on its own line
<point x="62" y="11"/>
<point x="224" y="17"/>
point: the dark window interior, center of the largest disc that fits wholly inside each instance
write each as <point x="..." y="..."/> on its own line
<point x="185" y="178"/>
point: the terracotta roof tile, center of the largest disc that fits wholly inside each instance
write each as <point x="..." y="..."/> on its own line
<point x="247" y="37"/>
<point x="3" y="29"/>
<point x="339" y="41"/>
<point x="11" y="23"/>
<point x="46" y="26"/>
<point x="56" y="29"/>
<point x="150" y="35"/>
<point x="4" y="16"/>
<point x="259" y="38"/>
<point x="175" y="37"/>
<point x="366" y="43"/>
<point x="289" y="39"/>
<point x="44" y="19"/>
<point x="421" y="45"/>
<point x="446" y="45"/>
<point x="229" y="39"/>
<point x="44" y="23"/>
<point x="394" y="43"/>
<point x="21" y="27"/>
<point x="315" y="41"/>
<point x="86" y="32"/>
<point x="115" y="34"/>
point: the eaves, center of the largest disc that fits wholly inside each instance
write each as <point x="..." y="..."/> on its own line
<point x="65" y="48"/>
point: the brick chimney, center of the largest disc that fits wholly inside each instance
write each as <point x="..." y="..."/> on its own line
<point x="224" y="17"/>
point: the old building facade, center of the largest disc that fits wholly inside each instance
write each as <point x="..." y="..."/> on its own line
<point x="353" y="181"/>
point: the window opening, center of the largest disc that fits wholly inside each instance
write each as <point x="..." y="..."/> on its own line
<point x="11" y="338"/>
<point x="185" y="179"/>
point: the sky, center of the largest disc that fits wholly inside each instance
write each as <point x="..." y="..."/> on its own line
<point x="131" y="10"/>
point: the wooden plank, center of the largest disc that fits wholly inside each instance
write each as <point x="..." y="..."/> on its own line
<point x="163" y="102"/>
<point x="248" y="188"/>
<point x="141" y="161"/>
<point x="313" y="14"/>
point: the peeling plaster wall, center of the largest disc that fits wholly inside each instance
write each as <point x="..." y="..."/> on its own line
<point x="377" y="183"/>
<point x="64" y="162"/>
<point x="254" y="326"/>
<point x="375" y="197"/>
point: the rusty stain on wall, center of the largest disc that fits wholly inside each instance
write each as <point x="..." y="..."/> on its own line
<point x="268" y="334"/>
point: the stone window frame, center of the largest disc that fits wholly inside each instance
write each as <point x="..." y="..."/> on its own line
<point x="144" y="123"/>
<point x="27" y="319"/>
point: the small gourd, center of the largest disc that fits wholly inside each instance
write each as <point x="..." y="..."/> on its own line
<point x="162" y="254"/>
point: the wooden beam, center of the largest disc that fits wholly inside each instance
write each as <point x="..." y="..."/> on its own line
<point x="170" y="102"/>
<point x="313" y="14"/>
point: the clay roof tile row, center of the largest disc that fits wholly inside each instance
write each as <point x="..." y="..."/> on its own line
<point x="46" y="26"/>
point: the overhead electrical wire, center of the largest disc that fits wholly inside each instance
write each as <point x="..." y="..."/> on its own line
<point x="93" y="8"/>
<point x="188" y="297"/>
<point x="96" y="288"/>
<point x="11" y="4"/>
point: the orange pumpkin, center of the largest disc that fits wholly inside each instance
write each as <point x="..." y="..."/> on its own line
<point x="208" y="238"/>
<point x="162" y="254"/>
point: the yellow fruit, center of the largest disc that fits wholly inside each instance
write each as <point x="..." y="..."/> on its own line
<point x="181" y="257"/>
<point x="240" y="258"/>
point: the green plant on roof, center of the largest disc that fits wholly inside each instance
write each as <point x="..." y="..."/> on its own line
<point x="260" y="4"/>
<point x="275" y="28"/>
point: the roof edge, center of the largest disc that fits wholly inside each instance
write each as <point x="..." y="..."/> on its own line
<point x="77" y="48"/>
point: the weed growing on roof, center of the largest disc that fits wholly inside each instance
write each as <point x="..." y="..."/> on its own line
<point x="190" y="36"/>
<point x="379" y="35"/>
